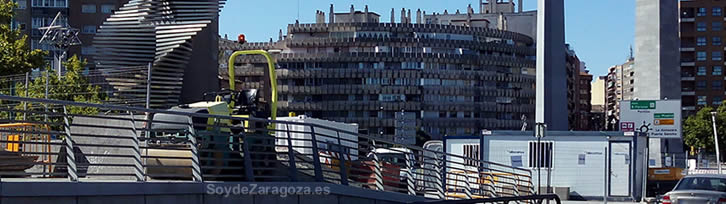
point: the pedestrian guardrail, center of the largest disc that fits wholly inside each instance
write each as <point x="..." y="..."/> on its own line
<point x="83" y="142"/>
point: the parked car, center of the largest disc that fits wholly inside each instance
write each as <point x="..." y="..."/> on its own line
<point x="703" y="188"/>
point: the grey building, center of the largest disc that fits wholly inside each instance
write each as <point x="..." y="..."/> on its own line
<point x="657" y="50"/>
<point x="456" y="80"/>
<point x="657" y="59"/>
<point x="499" y="15"/>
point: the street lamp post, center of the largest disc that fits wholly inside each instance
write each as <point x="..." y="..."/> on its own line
<point x="715" y="138"/>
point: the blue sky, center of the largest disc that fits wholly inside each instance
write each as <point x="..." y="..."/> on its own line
<point x="601" y="32"/>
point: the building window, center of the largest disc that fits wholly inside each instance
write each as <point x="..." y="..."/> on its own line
<point x="717" y="100"/>
<point x="701" y="12"/>
<point x="717" y="11"/>
<point x="471" y="154"/>
<point x="50" y="3"/>
<point x="45" y="21"/>
<point x="701" y="41"/>
<point x="716" y="84"/>
<point x="701" y="26"/>
<point x="701" y="71"/>
<point x="540" y="155"/>
<point x="716" y="70"/>
<point x="716" y="41"/>
<point x="700" y="85"/>
<point x="107" y="8"/>
<point x="89" y="29"/>
<point x="702" y="100"/>
<point x="88" y="8"/>
<point x="716" y="26"/>
<point x="22" y="4"/>
<point x="701" y="56"/>
<point x="717" y="55"/>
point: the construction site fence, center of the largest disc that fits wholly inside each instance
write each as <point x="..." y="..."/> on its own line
<point x="113" y="142"/>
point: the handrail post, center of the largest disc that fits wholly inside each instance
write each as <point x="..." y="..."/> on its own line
<point x="439" y="178"/>
<point x="137" y="150"/>
<point x="70" y="155"/>
<point x="409" y="178"/>
<point x="249" y="174"/>
<point x="196" y="169"/>
<point x="341" y="161"/>
<point x="291" y="155"/>
<point x="377" y="171"/>
<point x="316" y="158"/>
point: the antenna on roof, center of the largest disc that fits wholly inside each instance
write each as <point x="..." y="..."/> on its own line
<point x="631" y="57"/>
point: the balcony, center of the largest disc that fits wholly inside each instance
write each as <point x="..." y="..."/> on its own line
<point x="688" y="62"/>
<point x="689" y="108"/>
<point x="688" y="93"/>
<point x="687" y="49"/>
<point x="691" y="19"/>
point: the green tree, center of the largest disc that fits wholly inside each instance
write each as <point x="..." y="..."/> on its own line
<point x="73" y="86"/>
<point x="16" y="57"/>
<point x="698" y="129"/>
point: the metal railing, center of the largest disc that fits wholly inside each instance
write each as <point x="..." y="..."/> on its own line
<point x="129" y="143"/>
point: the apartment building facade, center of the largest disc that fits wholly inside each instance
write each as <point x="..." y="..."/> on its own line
<point x="87" y="16"/>
<point x="702" y="54"/>
<point x="457" y="80"/>
<point x="30" y="15"/>
<point x="619" y="86"/>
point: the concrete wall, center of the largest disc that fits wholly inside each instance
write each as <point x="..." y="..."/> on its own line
<point x="17" y="191"/>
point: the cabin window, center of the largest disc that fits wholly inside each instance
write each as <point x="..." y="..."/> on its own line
<point x="540" y="155"/>
<point x="471" y="155"/>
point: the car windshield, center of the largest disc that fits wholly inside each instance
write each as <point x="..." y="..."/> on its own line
<point x="397" y="159"/>
<point x="702" y="183"/>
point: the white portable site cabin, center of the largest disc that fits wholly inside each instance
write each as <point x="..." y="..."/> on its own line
<point x="327" y="136"/>
<point x="574" y="160"/>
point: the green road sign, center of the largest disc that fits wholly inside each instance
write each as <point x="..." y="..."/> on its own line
<point x="634" y="105"/>
<point x="664" y="115"/>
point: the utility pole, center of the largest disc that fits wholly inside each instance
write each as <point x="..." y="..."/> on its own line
<point x="45" y="105"/>
<point x="148" y="86"/>
<point x="25" y="104"/>
<point x="540" y="129"/>
<point x="715" y="138"/>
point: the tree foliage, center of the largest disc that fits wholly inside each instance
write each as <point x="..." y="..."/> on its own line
<point x="16" y="56"/>
<point x="698" y="129"/>
<point x="73" y="86"/>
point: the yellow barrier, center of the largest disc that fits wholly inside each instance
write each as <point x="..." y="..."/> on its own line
<point x="28" y="139"/>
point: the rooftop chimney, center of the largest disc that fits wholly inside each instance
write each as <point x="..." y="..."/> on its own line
<point x="481" y="6"/>
<point x="521" y="6"/>
<point x="408" y="17"/>
<point x="403" y="15"/>
<point x="393" y="15"/>
<point x="418" y="16"/>
<point x="332" y="15"/>
<point x="365" y="16"/>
